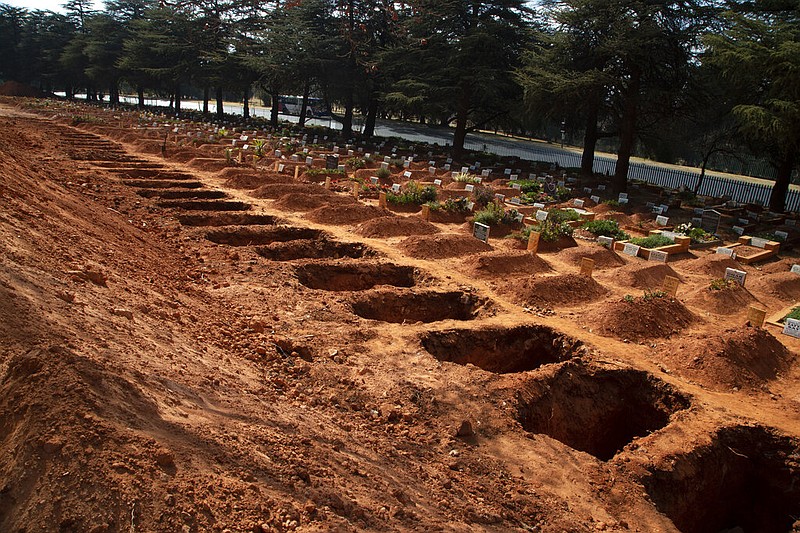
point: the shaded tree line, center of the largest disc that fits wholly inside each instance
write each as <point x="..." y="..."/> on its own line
<point x="656" y="77"/>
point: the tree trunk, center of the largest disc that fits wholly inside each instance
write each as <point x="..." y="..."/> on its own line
<point x="273" y="116"/>
<point x="627" y="133"/>
<point x="140" y="94"/>
<point x="177" y="99"/>
<point x="69" y="93"/>
<point x="246" y="105"/>
<point x="113" y="93"/>
<point x="590" y="138"/>
<point x="347" y="121"/>
<point x="304" y="105"/>
<point x="205" y="100"/>
<point x="777" y="201"/>
<point x="220" y="108"/>
<point x="372" y="115"/>
<point x="702" y="171"/>
<point x="462" y="114"/>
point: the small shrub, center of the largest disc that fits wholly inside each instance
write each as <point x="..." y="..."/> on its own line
<point x="722" y="284"/>
<point x="628" y="298"/>
<point x="356" y="163"/>
<point x="491" y="215"/>
<point x="652" y="295"/>
<point x="383" y="173"/>
<point x="397" y="162"/>
<point x="413" y="194"/>
<point x="464" y="177"/>
<point x="607" y="228"/>
<point x="483" y="196"/>
<point x="698" y="235"/>
<point x="652" y="241"/>
<point x="325" y="172"/>
<point x="794" y="314"/>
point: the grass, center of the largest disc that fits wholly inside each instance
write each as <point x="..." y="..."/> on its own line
<point x="794" y="314"/>
<point x="606" y="228"/>
<point x="652" y="241"/>
<point x="722" y="284"/>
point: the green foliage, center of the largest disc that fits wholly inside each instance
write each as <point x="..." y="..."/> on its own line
<point x="612" y="203"/>
<point x="464" y="177"/>
<point x="356" y="163"/>
<point x="325" y="172"/>
<point x="629" y="298"/>
<point x="794" y="314"/>
<point x="722" y="284"/>
<point x="491" y="215"/>
<point x="653" y="295"/>
<point x="383" y="173"/>
<point x="607" y="228"/>
<point x="563" y="215"/>
<point x="451" y="205"/>
<point x="483" y="196"/>
<point x="698" y="235"/>
<point x="652" y="241"/>
<point x="412" y="194"/>
<point x="529" y="186"/>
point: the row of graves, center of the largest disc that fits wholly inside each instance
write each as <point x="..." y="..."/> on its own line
<point x="526" y="200"/>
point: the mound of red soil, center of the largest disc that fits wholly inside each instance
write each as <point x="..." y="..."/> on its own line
<point x="785" y="286"/>
<point x="502" y="263"/>
<point x="307" y="202"/>
<point x="442" y="246"/>
<point x="602" y="256"/>
<point x="182" y="155"/>
<point x="346" y="214"/>
<point x="396" y="226"/>
<point x="210" y="164"/>
<point x="644" y="275"/>
<point x="276" y="190"/>
<point x="779" y="265"/>
<point x="248" y="178"/>
<point x="15" y="88"/>
<point x="640" y="319"/>
<point x="563" y="289"/>
<point x="737" y="357"/>
<point x="713" y="265"/>
<point x="728" y="301"/>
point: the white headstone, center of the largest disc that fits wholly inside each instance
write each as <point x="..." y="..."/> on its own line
<point x="309" y="161"/>
<point x="407" y="174"/>
<point x="595" y="199"/>
<point x="374" y="180"/>
<point x="541" y="216"/>
<point x="722" y="250"/>
<point x="485" y="173"/>
<point x="384" y="164"/>
<point x="658" y="256"/>
<point x="470" y="205"/>
<point x="623" y="196"/>
<point x="795" y="269"/>
<point x="631" y="249"/>
<point x="739" y="276"/>
<point x="738" y="230"/>
<point x="578" y="202"/>
<point x="601" y="187"/>
<point x="606" y="241"/>
<point x="464" y="170"/>
<point x="792" y="328"/>
<point x="623" y="201"/>
<point x="395" y="187"/>
<point x="587" y="190"/>
<point x="782" y="234"/>
<point x="438" y="183"/>
<point x="469" y="187"/>
<point x="759" y="242"/>
<point x="447" y="166"/>
<point x="516" y="201"/>
<point x="500" y="197"/>
<point x="507" y="172"/>
<point x="481" y="232"/>
<point x="538" y="205"/>
<point x="516" y="186"/>
<point x="662" y="220"/>
<point x="514" y="177"/>
<point x="432" y="171"/>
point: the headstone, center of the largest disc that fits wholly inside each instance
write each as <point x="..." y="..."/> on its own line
<point x="697" y="222"/>
<point x="792" y="328"/>
<point x="470" y="205"/>
<point x="595" y="199"/>
<point x="623" y="201"/>
<point x="623" y="196"/>
<point x="331" y="162"/>
<point x="469" y="187"/>
<point x="662" y="220"/>
<point x="500" y="197"/>
<point x="426" y="212"/>
<point x="533" y="241"/>
<point x="759" y="242"/>
<point x="395" y="188"/>
<point x="516" y="186"/>
<point x="541" y="216"/>
<point x="739" y="276"/>
<point x="658" y="256"/>
<point x="724" y="250"/>
<point x="438" y="183"/>
<point x="631" y="249"/>
<point x="577" y="202"/>
<point x="432" y="171"/>
<point x="795" y="269"/>
<point x="481" y="232"/>
<point x="756" y="316"/>
<point x="340" y="168"/>
<point x="386" y="159"/>
<point x="587" y="266"/>
<point x="485" y="173"/>
<point x="790" y="222"/>
<point x="670" y="285"/>
<point x="561" y="184"/>
<point x="664" y="208"/>
<point x="507" y="172"/>
<point x="514" y="177"/>
<point x="327" y="182"/>
<point x="447" y="166"/>
<point x="606" y="241"/>
<point x="601" y="187"/>
<point x="464" y="170"/>
<point x="743" y="221"/>
<point x="782" y="235"/>
<point x="537" y="205"/>
<point x="385" y="165"/>
<point x="281" y="166"/>
<point x="478" y="179"/>
<point x="516" y="200"/>
<point x="738" y="230"/>
<point x="374" y="180"/>
<point x="406" y="174"/>
<point x="277" y="153"/>
<point x="406" y="163"/>
<point x="309" y="161"/>
<point x="382" y="200"/>
<point x="587" y="190"/>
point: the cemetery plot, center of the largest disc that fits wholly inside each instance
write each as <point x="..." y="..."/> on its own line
<point x="559" y="290"/>
<point x="163" y="184"/>
<point x="227" y="219"/>
<point x="248" y="236"/>
<point x="502" y="350"/>
<point x="153" y="173"/>
<point x="427" y="306"/>
<point x="748" y="483"/>
<point x="650" y="316"/>
<point x="205" y="205"/>
<point x="355" y="277"/>
<point x="172" y="194"/>
<point x="322" y="248"/>
<point x="595" y="410"/>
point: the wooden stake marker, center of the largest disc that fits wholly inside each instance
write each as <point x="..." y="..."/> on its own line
<point x="533" y="241"/>
<point x="296" y="171"/>
<point x="327" y="182"/>
<point x="355" y="190"/>
<point x="671" y="286"/>
<point x="382" y="200"/>
<point x="756" y="316"/>
<point x="587" y="266"/>
<point x="426" y="212"/>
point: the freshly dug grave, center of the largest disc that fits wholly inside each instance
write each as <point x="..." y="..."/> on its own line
<point x="559" y="290"/>
<point x="603" y="257"/>
<point x="596" y="410"/>
<point x="248" y="179"/>
<point x="355" y="276"/>
<point x="441" y="246"/>
<point x="742" y="357"/>
<point x="172" y="194"/>
<point x="784" y="286"/>
<point x="322" y="248"/>
<point x="644" y="275"/>
<point x="726" y="301"/>
<point x="205" y="205"/>
<point x="276" y="190"/>
<point x="397" y="306"/>
<point x="711" y="264"/>
<point x="346" y="214"/>
<point x="308" y="202"/>
<point x="640" y="318"/>
<point x="742" y="478"/>
<point x="227" y="219"/>
<point x="396" y="226"/>
<point x="504" y="263"/>
<point x="503" y="350"/>
<point x="250" y="236"/>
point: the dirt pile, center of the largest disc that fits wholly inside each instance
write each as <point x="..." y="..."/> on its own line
<point x="644" y="275"/>
<point x="309" y="202"/>
<point x="563" y="289"/>
<point x="784" y="286"/>
<point x="346" y="214"/>
<point x="728" y="300"/>
<point x="248" y="178"/>
<point x="442" y="246"/>
<point x="640" y="318"/>
<point x="396" y="226"/>
<point x="276" y="190"/>
<point x="603" y="257"/>
<point x="503" y="263"/>
<point x="713" y="265"/>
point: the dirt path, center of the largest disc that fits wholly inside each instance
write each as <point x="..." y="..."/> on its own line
<point x="229" y="365"/>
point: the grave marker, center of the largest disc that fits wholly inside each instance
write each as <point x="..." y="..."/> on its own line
<point x="395" y="188"/>
<point x="500" y="197"/>
<point x="792" y="328"/>
<point x="601" y="187"/>
<point x="662" y="220"/>
<point x="739" y="276"/>
<point x="432" y="171"/>
<point x="541" y="216"/>
<point x="374" y="180"/>
<point x="658" y="256"/>
<point x="309" y="161"/>
<point x="481" y="232"/>
<point x="327" y="182"/>
<point x="790" y="222"/>
<point x="587" y="190"/>
<point x="670" y="285"/>
<point x="438" y="183"/>
<point x="469" y="187"/>
<point x="606" y="241"/>
<point x="447" y="166"/>
<point x="382" y="200"/>
<point x="385" y="165"/>
<point x="281" y="166"/>
<point x="464" y="170"/>
<point x="738" y="230"/>
<point x="514" y="177"/>
<point x="516" y="186"/>
<point x="578" y="203"/>
<point x="470" y="205"/>
<point x="516" y="200"/>
<point x="533" y="241"/>
<point x="406" y="174"/>
<point x="724" y="250"/>
<point x="587" y="266"/>
<point x="296" y="171"/>
<point x="795" y="269"/>
<point x="782" y="235"/>
<point x="759" y="242"/>
<point x="538" y="205"/>
<point x="426" y="212"/>
<point x="756" y="316"/>
<point x="595" y="199"/>
<point x="355" y="190"/>
<point x="631" y="249"/>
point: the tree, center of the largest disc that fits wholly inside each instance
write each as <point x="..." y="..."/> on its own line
<point x="759" y="51"/>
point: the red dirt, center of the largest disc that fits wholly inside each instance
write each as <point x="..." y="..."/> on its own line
<point x="712" y="264"/>
<point x="727" y="301"/>
<point x="641" y="319"/>
<point x="15" y="88"/>
<point x="248" y="178"/>
<point x="503" y="263"/>
<point x="308" y="202"/>
<point x="644" y="275"/>
<point x="346" y="214"/>
<point x="396" y="226"/>
<point x="276" y="190"/>
<point x="784" y="286"/>
<point x="560" y="290"/>
<point x="603" y="257"/>
<point x="442" y="246"/>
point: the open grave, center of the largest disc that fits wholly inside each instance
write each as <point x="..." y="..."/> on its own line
<point x="205" y="205"/>
<point x="502" y="350"/>
<point x="354" y="277"/>
<point x="427" y="306"/>
<point x="163" y="184"/>
<point x="595" y="410"/>
<point x="226" y="219"/>
<point x="321" y="248"/>
<point x="246" y="236"/>
<point x="745" y="479"/>
<point x="172" y="194"/>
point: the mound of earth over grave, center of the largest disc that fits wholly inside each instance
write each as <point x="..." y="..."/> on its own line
<point x="504" y="263"/>
<point x="249" y="179"/>
<point x="309" y="202"/>
<point x="396" y="226"/>
<point x="276" y="190"/>
<point x="737" y="357"/>
<point x="640" y="318"/>
<point x="442" y="246"/>
<point x="346" y="214"/>
<point x="713" y="265"/>
<point x="726" y="301"/>
<point x="559" y="290"/>
<point x="644" y="275"/>
<point x="603" y="257"/>
<point x="784" y="286"/>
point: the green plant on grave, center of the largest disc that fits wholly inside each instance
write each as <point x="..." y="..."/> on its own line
<point x="652" y="241"/>
<point x="629" y="298"/>
<point x="793" y="314"/>
<point x="464" y="177"/>
<point x="554" y="227"/>
<point x="722" y="284"/>
<point x="528" y="186"/>
<point x="606" y="228"/>
<point x="369" y="158"/>
<point x="325" y="172"/>
<point x="612" y="203"/>
<point x="563" y="215"/>
<point x="652" y="295"/>
<point x="356" y="163"/>
<point x="222" y="132"/>
<point x="491" y="215"/>
<point x="397" y="162"/>
<point x="383" y="173"/>
<point x="412" y="194"/>
<point x="259" y="146"/>
<point x="483" y="196"/>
